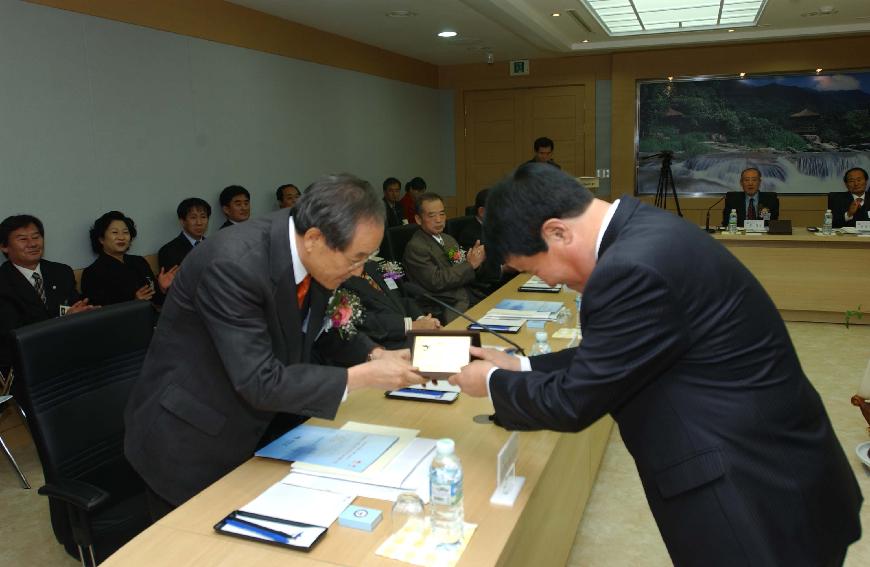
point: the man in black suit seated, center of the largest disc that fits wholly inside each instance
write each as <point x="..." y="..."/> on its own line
<point x="31" y="289"/>
<point x="751" y="203"/>
<point x="544" y="152"/>
<point x="388" y="314"/>
<point x="236" y="205"/>
<point x="193" y="215"/>
<point x="851" y="205"/>
<point x="392" y="196"/>
<point x="287" y="195"/>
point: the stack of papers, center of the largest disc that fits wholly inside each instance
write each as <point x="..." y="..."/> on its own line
<point x="536" y="284"/>
<point x="402" y="466"/>
<point x="527" y="310"/>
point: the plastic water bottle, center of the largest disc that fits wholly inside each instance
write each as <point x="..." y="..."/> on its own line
<point x="445" y="495"/>
<point x="541" y="345"/>
<point x="732" y="222"/>
<point x="827" y="225"/>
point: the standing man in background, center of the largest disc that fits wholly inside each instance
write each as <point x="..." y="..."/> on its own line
<point x="544" y="152"/>
<point x="392" y="199"/>
<point x="683" y="347"/>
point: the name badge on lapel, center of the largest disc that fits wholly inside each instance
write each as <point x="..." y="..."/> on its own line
<point x="391" y="284"/>
<point x="63" y="309"/>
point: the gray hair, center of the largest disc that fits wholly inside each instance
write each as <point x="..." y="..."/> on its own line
<point x="336" y="205"/>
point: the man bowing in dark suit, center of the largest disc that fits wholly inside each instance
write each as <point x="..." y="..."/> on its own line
<point x="239" y="353"/>
<point x="851" y="205"/>
<point x="193" y="214"/>
<point x="31" y="289"/>
<point x="683" y="347"/>
<point x="750" y="203"/>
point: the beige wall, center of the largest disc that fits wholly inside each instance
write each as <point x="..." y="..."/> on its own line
<point x="232" y="24"/>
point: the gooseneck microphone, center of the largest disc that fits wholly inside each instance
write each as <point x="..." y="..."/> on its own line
<point x="415" y="291"/>
<point x="707" y="224"/>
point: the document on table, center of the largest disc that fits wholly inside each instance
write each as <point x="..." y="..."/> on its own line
<point x="409" y="472"/>
<point x="299" y="504"/>
<point x="404" y="436"/>
<point x="338" y="448"/>
<point x="536" y="284"/>
<point x="522" y="309"/>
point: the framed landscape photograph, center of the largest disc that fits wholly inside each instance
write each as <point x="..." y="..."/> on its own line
<point x="802" y="131"/>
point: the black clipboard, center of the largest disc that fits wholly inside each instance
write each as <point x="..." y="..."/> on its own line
<point x="279" y="532"/>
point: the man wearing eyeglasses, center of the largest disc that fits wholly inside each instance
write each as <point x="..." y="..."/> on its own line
<point x="851" y="205"/>
<point x="241" y="352"/>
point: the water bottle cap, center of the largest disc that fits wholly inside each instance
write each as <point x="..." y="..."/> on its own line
<point x="541" y="336"/>
<point x="445" y="446"/>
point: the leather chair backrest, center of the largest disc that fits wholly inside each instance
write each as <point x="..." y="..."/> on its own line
<point x="398" y="237"/>
<point x="74" y="375"/>
<point x="456" y="225"/>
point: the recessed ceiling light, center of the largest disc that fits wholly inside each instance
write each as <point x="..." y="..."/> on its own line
<point x="401" y="14"/>
<point x="585" y="41"/>
<point x="671" y="78"/>
<point x="731" y="30"/>
<point x="447" y="34"/>
<point x="556" y="14"/>
<point x="819" y="70"/>
<point x="742" y="75"/>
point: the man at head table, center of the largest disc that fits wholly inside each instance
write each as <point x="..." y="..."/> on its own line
<point x="851" y="205"/>
<point x="750" y="203"/>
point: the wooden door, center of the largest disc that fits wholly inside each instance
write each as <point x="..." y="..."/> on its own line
<point x="502" y="125"/>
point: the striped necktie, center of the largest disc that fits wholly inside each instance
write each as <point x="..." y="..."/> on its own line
<point x="38" y="286"/>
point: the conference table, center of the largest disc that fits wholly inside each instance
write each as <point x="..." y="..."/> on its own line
<point x="809" y="276"/>
<point x="539" y="529"/>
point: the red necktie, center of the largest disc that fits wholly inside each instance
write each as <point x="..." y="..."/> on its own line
<point x="302" y="290"/>
<point x="750" y="212"/>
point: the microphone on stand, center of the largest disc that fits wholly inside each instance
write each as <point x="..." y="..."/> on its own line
<point x="707" y="224"/>
<point x="415" y="291"/>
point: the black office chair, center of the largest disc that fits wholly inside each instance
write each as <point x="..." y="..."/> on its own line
<point x="397" y="238"/>
<point x="456" y="225"/>
<point x="470" y="210"/>
<point x="74" y="375"/>
<point x="831" y="198"/>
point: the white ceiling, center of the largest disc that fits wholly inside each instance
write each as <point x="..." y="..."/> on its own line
<point x="526" y="29"/>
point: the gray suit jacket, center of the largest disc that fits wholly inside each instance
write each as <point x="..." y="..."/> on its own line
<point x="426" y="264"/>
<point x="228" y="354"/>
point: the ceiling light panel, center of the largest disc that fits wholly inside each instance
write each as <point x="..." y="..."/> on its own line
<point x="633" y="17"/>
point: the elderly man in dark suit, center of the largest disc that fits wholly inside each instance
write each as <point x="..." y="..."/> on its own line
<point x="239" y="354"/>
<point x="433" y="259"/>
<point x="32" y="289"/>
<point x="193" y="214"/>
<point x="750" y="203"/>
<point x="683" y="347"/>
<point x="851" y="205"/>
<point x="388" y="314"/>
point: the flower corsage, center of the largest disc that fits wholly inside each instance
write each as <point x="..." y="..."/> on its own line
<point x="344" y="312"/>
<point x="391" y="270"/>
<point x="455" y="254"/>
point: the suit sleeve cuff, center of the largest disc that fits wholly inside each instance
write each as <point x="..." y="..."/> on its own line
<point x="525" y="366"/>
<point x="408" y="324"/>
<point x="847" y="216"/>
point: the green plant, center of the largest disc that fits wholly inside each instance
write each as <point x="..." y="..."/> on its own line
<point x="857" y="313"/>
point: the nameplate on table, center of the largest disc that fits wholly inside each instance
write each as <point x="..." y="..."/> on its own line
<point x="862" y="227"/>
<point x="754" y="225"/>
